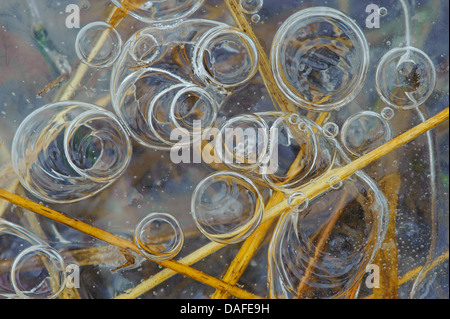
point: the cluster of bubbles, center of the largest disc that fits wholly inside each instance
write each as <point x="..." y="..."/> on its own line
<point x="36" y="271"/>
<point x="166" y="77"/>
<point x="252" y="7"/>
<point x="67" y="151"/>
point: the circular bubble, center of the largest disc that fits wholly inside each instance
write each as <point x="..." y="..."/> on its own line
<point x="303" y="126"/>
<point x="159" y="115"/>
<point x="251" y="6"/>
<point x="193" y="104"/>
<point x="97" y="146"/>
<point x="365" y="131"/>
<point x="387" y="113"/>
<point x="256" y="18"/>
<point x="303" y="204"/>
<point x="159" y="236"/>
<point x="38" y="272"/>
<point x="335" y="182"/>
<point x="323" y="251"/>
<point x="67" y="151"/>
<point x="405" y="78"/>
<point x="227" y="207"/>
<point x="144" y="49"/>
<point x="294" y="152"/>
<point x="156" y="104"/>
<point x="320" y="59"/>
<point x="225" y="56"/>
<point x="294" y="119"/>
<point x="98" y="44"/>
<point x="244" y="142"/>
<point x="330" y="129"/>
<point x="133" y="99"/>
<point x="159" y="10"/>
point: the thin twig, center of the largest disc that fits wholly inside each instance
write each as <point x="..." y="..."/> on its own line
<point x="319" y="246"/>
<point x="387" y="254"/>
<point x="115" y="17"/>
<point x="247" y="251"/>
<point x="322" y="184"/>
<point x="410" y="275"/>
<point x="165" y="274"/>
<point x="265" y="70"/>
<point x="122" y="243"/>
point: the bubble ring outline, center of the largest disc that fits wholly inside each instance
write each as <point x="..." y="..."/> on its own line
<point x="386" y="58"/>
<point x="176" y="227"/>
<point x="249" y="227"/>
<point x="319" y="12"/>
<point x="386" y="124"/>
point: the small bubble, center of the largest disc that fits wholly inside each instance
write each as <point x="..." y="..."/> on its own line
<point x="256" y="18"/>
<point x="227" y="207"/>
<point x="304" y="202"/>
<point x="303" y="126"/>
<point x="87" y="49"/>
<point x="365" y="131"/>
<point x="335" y="182"/>
<point x="159" y="236"/>
<point x="331" y="130"/>
<point x="382" y="11"/>
<point x="144" y="49"/>
<point x="251" y="6"/>
<point x="387" y="113"/>
<point x="85" y="5"/>
<point x="294" y="119"/>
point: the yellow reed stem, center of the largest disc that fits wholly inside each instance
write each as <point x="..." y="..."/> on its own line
<point x="387" y="254"/>
<point x="69" y="89"/>
<point x="319" y="247"/>
<point x="124" y="244"/>
<point x="115" y="17"/>
<point x="322" y="184"/>
<point x="414" y="273"/>
<point x="165" y="274"/>
<point x="265" y="70"/>
<point x="410" y="275"/>
<point x="247" y="251"/>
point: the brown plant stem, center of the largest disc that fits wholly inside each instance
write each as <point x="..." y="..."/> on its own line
<point x="165" y="274"/>
<point x="387" y="254"/>
<point x="251" y="245"/>
<point x="278" y="98"/>
<point x="410" y="275"/>
<point x="322" y="184"/>
<point x="247" y="251"/>
<point x="122" y="243"/>
<point x="319" y="246"/>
